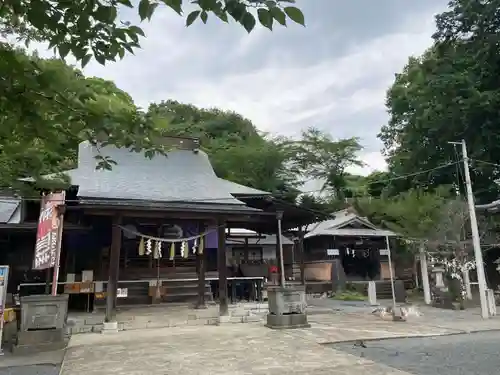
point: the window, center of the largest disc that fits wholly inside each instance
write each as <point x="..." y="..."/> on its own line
<point x="254" y="254"/>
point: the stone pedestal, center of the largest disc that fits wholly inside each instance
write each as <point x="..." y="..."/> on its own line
<point x="109" y="327"/>
<point x="43" y="319"/>
<point x="399" y="291"/>
<point x="372" y="293"/>
<point x="438" y="274"/>
<point x="490" y="298"/>
<point x="468" y="290"/>
<point x="287" y="307"/>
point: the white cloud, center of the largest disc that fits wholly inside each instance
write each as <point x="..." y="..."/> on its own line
<point x="207" y="65"/>
<point x="374" y="161"/>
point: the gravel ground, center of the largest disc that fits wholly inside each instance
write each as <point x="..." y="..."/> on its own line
<point x="31" y="370"/>
<point x="469" y="354"/>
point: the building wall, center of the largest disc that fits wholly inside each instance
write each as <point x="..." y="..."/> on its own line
<point x="268" y="252"/>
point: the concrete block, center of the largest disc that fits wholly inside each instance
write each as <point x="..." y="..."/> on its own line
<point x="254" y="318"/>
<point x="197" y="322"/>
<point x="110" y="327"/>
<point x="288" y="321"/>
<point x="85" y="329"/>
<point x="288" y="300"/>
<point x="239" y="313"/>
<point x="224" y="319"/>
<point x="97" y="328"/>
<point x="93" y="320"/>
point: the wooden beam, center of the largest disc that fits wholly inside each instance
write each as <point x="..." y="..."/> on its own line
<point x="222" y="268"/>
<point x="200" y="269"/>
<point x="257" y="217"/>
<point x="114" y="265"/>
<point x="279" y="261"/>
<point x="302" y="256"/>
<point x="246" y="250"/>
<point x="149" y="214"/>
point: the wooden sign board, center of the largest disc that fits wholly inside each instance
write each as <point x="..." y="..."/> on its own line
<point x="73" y="288"/>
<point x="332" y="252"/>
<point x="87" y="287"/>
<point x="152" y="291"/>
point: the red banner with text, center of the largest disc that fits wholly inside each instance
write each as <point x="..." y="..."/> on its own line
<point x="48" y="243"/>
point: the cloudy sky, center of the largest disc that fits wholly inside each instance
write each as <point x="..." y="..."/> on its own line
<point x="333" y="74"/>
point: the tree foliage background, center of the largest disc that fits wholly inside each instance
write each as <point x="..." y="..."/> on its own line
<point x="46" y="107"/>
<point x="450" y="92"/>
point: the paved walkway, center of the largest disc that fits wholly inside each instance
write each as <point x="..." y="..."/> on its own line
<point x="232" y="350"/>
<point x="253" y="349"/>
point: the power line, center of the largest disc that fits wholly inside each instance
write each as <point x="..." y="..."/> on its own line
<point x="486" y="162"/>
<point x="262" y="196"/>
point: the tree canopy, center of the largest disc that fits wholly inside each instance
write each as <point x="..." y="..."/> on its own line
<point x="45" y="105"/>
<point x="95" y="29"/>
<point x="449" y="93"/>
<point x="42" y="124"/>
<point x="318" y="156"/>
<point x="238" y="151"/>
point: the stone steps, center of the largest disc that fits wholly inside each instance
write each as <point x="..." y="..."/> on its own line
<point x="159" y="318"/>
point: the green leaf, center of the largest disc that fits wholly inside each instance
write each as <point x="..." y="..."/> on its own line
<point x="128" y="48"/>
<point x="121" y="52"/>
<point x="64" y="49"/>
<point x="127" y="3"/>
<point x="204" y="16"/>
<point x="295" y="15"/>
<point x="151" y="10"/>
<point x="265" y="18"/>
<point x="136" y="30"/>
<point x="278" y="15"/>
<point x="222" y="15"/>
<point x="101" y="59"/>
<point x="85" y="60"/>
<point x="144" y="9"/>
<point x="104" y="14"/>
<point x="192" y="17"/>
<point x="176" y="5"/>
<point x="248" y="22"/>
<point x="237" y="10"/>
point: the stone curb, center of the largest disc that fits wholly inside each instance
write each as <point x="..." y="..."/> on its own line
<point x="63" y="360"/>
<point x="462" y="332"/>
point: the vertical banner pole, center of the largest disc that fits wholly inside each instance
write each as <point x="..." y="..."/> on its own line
<point x="4" y="282"/>
<point x="55" y="276"/>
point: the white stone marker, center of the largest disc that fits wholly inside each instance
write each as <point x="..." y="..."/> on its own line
<point x="372" y="293"/>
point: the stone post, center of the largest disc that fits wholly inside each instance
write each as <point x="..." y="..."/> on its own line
<point x="425" y="276"/>
<point x="438" y="271"/>
<point x="372" y="293"/>
<point x="467" y="284"/>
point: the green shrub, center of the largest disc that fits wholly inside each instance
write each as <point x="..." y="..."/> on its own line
<point x="349" y="295"/>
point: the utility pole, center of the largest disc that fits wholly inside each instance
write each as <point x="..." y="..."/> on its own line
<point x="475" y="233"/>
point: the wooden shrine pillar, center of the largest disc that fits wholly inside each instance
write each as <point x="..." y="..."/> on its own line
<point x="301" y="252"/>
<point x="245" y="255"/>
<point x="114" y="266"/>
<point x="222" y="268"/>
<point x="200" y="269"/>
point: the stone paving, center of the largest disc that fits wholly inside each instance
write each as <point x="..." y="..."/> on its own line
<point x="229" y="350"/>
<point x="178" y="340"/>
<point x="166" y="316"/>
<point x="253" y="349"/>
